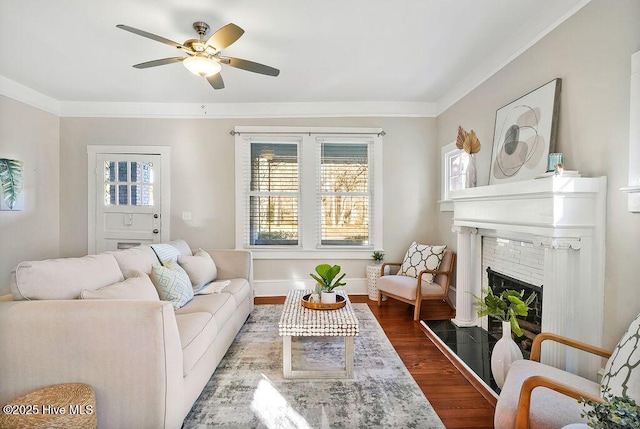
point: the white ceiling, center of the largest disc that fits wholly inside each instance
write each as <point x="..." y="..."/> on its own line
<point x="331" y="51"/>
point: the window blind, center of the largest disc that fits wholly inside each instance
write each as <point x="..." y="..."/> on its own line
<point x="273" y="194"/>
<point x="344" y="189"/>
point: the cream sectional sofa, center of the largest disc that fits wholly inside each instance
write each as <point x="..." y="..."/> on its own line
<point x="146" y="362"/>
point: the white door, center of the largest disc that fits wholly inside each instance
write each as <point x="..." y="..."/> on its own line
<point x="128" y="200"/>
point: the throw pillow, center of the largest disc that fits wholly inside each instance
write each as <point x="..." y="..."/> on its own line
<point x="165" y="252"/>
<point x="172" y="284"/>
<point x="137" y="287"/>
<point x="200" y="268"/>
<point x="422" y="257"/>
<point x="622" y="371"/>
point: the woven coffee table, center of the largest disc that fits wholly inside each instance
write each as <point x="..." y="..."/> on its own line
<point x="298" y="321"/>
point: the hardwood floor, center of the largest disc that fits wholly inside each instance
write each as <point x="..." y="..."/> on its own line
<point x="456" y="401"/>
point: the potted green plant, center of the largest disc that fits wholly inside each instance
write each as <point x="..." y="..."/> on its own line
<point x="377" y="256"/>
<point x="616" y="412"/>
<point x="504" y="307"/>
<point x="327" y="282"/>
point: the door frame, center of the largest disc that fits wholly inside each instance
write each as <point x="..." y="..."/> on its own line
<point x="165" y="186"/>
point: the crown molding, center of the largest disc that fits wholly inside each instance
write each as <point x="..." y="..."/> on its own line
<point x="247" y="110"/>
<point x="26" y="95"/>
<point x="509" y="51"/>
<point x="81" y="109"/>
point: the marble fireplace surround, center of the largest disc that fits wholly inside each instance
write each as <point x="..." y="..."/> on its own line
<point x="566" y="217"/>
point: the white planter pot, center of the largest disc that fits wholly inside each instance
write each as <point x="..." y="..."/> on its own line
<point x="504" y="353"/>
<point x="328" y="297"/>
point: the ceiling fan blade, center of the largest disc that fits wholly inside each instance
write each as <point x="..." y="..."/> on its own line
<point x="225" y="36"/>
<point x="216" y="81"/>
<point x="150" y="36"/>
<point x="250" y="66"/>
<point x="161" y="62"/>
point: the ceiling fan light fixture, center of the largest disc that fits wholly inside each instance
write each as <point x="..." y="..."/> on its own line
<point x="201" y="66"/>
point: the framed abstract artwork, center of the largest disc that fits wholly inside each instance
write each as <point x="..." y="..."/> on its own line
<point x="525" y="134"/>
<point x="11" y="184"/>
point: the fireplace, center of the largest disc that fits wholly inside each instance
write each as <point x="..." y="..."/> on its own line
<point x="530" y="325"/>
<point x="564" y="220"/>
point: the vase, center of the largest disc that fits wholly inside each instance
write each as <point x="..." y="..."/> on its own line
<point x="504" y="353"/>
<point x="328" y="297"/>
<point x="470" y="179"/>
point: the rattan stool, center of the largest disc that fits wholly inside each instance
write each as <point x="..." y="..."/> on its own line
<point x="68" y="406"/>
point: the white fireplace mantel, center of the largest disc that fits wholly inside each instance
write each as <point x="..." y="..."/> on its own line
<point x="565" y="216"/>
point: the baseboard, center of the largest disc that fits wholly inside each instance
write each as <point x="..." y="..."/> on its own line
<point x="355" y="286"/>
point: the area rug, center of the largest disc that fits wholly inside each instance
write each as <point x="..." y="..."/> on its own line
<point x="247" y="389"/>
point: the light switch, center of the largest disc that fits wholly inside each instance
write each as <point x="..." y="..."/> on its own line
<point x="186" y="215"/>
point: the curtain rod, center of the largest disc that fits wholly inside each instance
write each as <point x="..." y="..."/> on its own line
<point x="233" y="133"/>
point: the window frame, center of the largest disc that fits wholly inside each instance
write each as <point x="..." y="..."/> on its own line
<point x="309" y="210"/>
<point x="447" y="152"/>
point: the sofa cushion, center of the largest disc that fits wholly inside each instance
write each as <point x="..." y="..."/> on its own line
<point x="406" y="287"/>
<point x="130" y="261"/>
<point x="200" y="268"/>
<point x="421" y="257"/>
<point x="172" y="284"/>
<point x="138" y="287"/>
<point x="239" y="288"/>
<point x="221" y="306"/>
<point x="63" y="278"/>
<point x="197" y="332"/>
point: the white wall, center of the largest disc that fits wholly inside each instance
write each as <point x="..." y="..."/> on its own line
<point x="591" y="53"/>
<point x="32" y="136"/>
<point x="202" y="181"/>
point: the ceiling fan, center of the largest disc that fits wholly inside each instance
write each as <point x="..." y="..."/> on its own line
<point x="204" y="57"/>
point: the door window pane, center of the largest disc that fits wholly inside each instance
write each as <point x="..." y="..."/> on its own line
<point x="123" y="195"/>
<point x="122" y="171"/>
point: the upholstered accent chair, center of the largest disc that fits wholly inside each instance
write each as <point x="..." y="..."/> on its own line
<point x="417" y="283"/>
<point x="536" y="395"/>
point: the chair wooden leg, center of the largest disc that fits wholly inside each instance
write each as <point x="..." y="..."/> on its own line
<point x="416" y="312"/>
<point x="379" y="299"/>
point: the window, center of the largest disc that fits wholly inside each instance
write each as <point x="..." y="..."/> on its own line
<point x="454" y="168"/>
<point x="344" y="191"/>
<point x="301" y="191"/>
<point x="273" y="194"/>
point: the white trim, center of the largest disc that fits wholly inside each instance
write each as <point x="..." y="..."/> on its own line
<point x="26" y="95"/>
<point x="447" y="152"/>
<point x="511" y="50"/>
<point x="92" y="153"/>
<point x="308" y="138"/>
<point x="280" y="287"/>
<point x="248" y="110"/>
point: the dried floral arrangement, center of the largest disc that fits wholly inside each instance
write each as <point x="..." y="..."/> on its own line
<point x="467" y="141"/>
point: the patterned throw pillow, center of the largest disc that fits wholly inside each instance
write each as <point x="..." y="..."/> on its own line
<point x="166" y="252"/>
<point x="622" y="371"/>
<point x="172" y="284"/>
<point x="421" y="257"/>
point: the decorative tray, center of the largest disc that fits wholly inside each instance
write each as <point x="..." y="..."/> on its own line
<point x="340" y="302"/>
